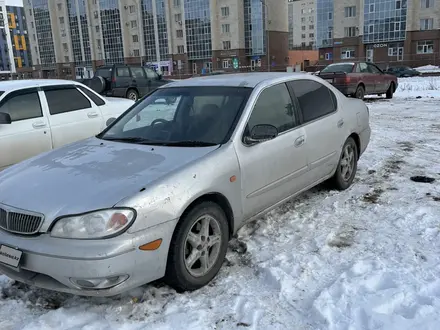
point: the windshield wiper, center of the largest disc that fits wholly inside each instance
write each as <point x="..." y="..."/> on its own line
<point x="189" y="143"/>
<point x="129" y="139"/>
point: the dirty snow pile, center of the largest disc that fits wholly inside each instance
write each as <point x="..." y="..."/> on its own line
<point x="428" y="69"/>
<point x="365" y="258"/>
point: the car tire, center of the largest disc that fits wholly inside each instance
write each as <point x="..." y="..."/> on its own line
<point x="390" y="91"/>
<point x="97" y="84"/>
<point x="181" y="272"/>
<point x="132" y="94"/>
<point x="360" y="92"/>
<point x="349" y="156"/>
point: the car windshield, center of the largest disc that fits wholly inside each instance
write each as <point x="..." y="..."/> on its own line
<point x="343" y="67"/>
<point x="181" y="116"/>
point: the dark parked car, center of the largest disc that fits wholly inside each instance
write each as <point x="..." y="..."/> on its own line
<point x="120" y="80"/>
<point x="358" y="79"/>
<point x="403" y="71"/>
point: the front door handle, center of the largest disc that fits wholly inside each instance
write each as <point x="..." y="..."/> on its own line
<point x="299" y="141"/>
<point x="341" y="123"/>
<point x="92" y="114"/>
<point x="39" y="124"/>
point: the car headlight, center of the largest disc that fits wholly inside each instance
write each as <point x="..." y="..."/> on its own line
<point x="93" y="225"/>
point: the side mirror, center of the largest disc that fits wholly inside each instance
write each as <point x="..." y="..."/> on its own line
<point x="261" y="133"/>
<point x="110" y="121"/>
<point x="5" y="118"/>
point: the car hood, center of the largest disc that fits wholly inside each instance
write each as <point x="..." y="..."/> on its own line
<point x="88" y="175"/>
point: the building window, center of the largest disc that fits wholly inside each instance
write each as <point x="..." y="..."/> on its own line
<point x="426" y="24"/>
<point x="350" y="31"/>
<point x="347" y="53"/>
<point x="311" y="27"/>
<point x="398" y="4"/>
<point x="303" y="27"/>
<point x="176" y="3"/>
<point x="427" y="3"/>
<point x="371" y="28"/>
<point x="136" y="52"/>
<point x="97" y="28"/>
<point x="226" y="28"/>
<point x="330" y="15"/>
<point x="425" y="47"/>
<point x="225" y="11"/>
<point x="303" y="36"/>
<point x="132" y="9"/>
<point x="226" y="45"/>
<point x="61" y="20"/>
<point x="226" y="64"/>
<point x="311" y="19"/>
<point x="133" y="24"/>
<point x="180" y="49"/>
<point x="303" y="19"/>
<point x="350" y="11"/>
<point x="179" y="33"/>
<point x="311" y="35"/>
<point x="135" y="38"/>
<point x="60" y="6"/>
<point x="66" y="59"/>
<point x="371" y="8"/>
<point x="178" y="17"/>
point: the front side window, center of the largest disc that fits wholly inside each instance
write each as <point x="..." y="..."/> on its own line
<point x="315" y="99"/>
<point x="181" y="116"/>
<point x="151" y="74"/>
<point x="274" y="107"/>
<point x="22" y="106"/>
<point x="62" y="100"/>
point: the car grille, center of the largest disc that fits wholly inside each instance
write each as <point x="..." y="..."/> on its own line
<point x="20" y="223"/>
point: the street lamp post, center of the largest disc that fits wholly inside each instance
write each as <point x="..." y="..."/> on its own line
<point x="266" y="18"/>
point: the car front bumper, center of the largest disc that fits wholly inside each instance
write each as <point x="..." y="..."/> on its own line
<point x="57" y="264"/>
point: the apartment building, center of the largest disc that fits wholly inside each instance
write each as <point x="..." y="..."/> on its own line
<point x="14" y="42"/>
<point x="397" y="32"/>
<point x="185" y="36"/>
<point x="302" y="23"/>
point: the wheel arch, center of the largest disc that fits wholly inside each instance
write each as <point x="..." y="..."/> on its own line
<point x="218" y="199"/>
<point x="357" y="140"/>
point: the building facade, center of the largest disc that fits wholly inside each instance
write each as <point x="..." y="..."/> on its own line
<point x="175" y="36"/>
<point x="398" y="32"/>
<point x="15" y="56"/>
<point x="302" y="24"/>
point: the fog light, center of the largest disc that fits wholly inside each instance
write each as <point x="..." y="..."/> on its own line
<point x="98" y="283"/>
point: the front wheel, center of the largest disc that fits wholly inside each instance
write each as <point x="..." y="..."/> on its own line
<point x="347" y="166"/>
<point x="390" y="91"/>
<point x="198" y="247"/>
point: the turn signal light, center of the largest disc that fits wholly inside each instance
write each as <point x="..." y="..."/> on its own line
<point x="154" y="245"/>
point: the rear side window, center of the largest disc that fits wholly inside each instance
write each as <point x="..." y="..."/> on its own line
<point x="62" y="100"/>
<point x="22" y="106"/>
<point x="122" y="72"/>
<point x="96" y="99"/>
<point x="315" y="99"/>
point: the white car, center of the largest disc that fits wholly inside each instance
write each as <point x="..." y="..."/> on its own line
<point x="40" y="115"/>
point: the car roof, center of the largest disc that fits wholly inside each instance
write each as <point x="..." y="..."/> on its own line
<point x="237" y="79"/>
<point x="9" y="85"/>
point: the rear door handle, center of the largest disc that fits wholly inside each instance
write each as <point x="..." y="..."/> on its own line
<point x="299" y="141"/>
<point x="341" y="123"/>
<point x="38" y="124"/>
<point x="92" y="114"/>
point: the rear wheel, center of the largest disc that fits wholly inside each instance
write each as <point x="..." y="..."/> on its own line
<point x="132" y="95"/>
<point x="347" y="166"/>
<point x="198" y="247"/>
<point x="360" y="92"/>
<point x="390" y="91"/>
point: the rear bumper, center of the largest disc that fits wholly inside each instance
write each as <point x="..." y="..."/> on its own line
<point x="364" y="137"/>
<point x="345" y="89"/>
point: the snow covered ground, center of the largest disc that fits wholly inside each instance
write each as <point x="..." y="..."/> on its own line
<point x="366" y="258"/>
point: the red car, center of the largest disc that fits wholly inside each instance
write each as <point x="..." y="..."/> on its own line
<point x="358" y="79"/>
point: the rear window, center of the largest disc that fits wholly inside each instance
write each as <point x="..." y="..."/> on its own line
<point x="346" y="68"/>
<point x="105" y="73"/>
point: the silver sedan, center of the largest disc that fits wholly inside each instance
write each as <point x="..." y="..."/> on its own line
<point x="159" y="193"/>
